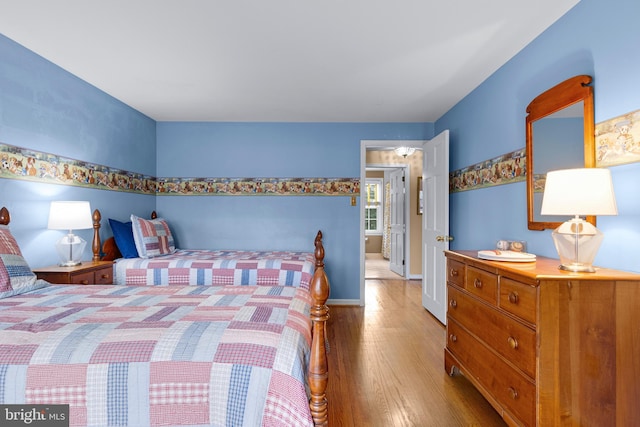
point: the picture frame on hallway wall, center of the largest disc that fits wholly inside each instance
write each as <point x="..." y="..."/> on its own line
<point x="420" y="196"/>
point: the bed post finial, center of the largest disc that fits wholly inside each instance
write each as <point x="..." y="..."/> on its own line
<point x="319" y="252"/>
<point x="5" y="218"/>
<point x="95" y="245"/>
<point x="319" y="313"/>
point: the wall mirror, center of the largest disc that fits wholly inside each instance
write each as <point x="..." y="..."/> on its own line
<point x="560" y="135"/>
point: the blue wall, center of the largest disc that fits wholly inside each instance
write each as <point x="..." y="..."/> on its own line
<point x="44" y="108"/>
<point x="595" y="38"/>
<point x="47" y="109"/>
<point x="256" y="150"/>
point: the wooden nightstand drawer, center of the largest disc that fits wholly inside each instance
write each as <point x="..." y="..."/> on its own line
<point x="82" y="278"/>
<point x="483" y="284"/>
<point x="103" y="276"/>
<point x="87" y="273"/>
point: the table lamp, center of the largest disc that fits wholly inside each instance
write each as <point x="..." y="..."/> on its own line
<point x="70" y="216"/>
<point x="578" y="192"/>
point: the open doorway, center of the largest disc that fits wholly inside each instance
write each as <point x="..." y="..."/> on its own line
<point x="384" y="221"/>
<point x="380" y="156"/>
<point x="428" y="216"/>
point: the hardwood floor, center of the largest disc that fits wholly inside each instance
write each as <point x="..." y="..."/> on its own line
<point x="376" y="267"/>
<point x="386" y="365"/>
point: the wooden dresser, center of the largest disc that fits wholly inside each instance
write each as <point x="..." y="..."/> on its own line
<point x="546" y="347"/>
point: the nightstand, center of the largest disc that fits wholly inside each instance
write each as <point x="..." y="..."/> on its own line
<point x="87" y="273"/>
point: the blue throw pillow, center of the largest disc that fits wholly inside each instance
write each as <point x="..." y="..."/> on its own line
<point x="123" y="235"/>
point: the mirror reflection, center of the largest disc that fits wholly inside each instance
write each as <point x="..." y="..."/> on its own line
<point x="559" y="144"/>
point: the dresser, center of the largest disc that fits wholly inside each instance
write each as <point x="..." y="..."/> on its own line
<point x="546" y="347"/>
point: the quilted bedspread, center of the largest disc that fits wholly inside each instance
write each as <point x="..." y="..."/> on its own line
<point x="209" y="267"/>
<point x="159" y="355"/>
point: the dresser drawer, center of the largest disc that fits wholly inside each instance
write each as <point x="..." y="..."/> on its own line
<point x="455" y="272"/>
<point x="513" y="340"/>
<point x="514" y="391"/>
<point x="518" y="299"/>
<point x="483" y="284"/>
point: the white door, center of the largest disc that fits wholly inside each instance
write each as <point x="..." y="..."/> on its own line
<point x="396" y="261"/>
<point x="435" y="225"/>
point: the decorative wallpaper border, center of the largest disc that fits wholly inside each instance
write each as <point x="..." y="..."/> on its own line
<point x="259" y="186"/>
<point x="30" y="165"/>
<point x="505" y="169"/>
<point x="618" y="140"/>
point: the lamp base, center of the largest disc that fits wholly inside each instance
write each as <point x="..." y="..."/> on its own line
<point x="69" y="263"/>
<point x="70" y="249"/>
<point x="577" y="243"/>
<point x="577" y="268"/>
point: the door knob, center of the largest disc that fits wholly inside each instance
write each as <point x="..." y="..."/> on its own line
<point x="444" y="238"/>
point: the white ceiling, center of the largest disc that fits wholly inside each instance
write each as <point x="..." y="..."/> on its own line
<point x="281" y="60"/>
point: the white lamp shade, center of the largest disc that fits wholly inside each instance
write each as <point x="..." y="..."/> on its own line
<point x="70" y="216"/>
<point x="582" y="191"/>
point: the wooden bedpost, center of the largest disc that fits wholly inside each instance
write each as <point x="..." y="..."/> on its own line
<point x="95" y="245"/>
<point x="318" y="368"/>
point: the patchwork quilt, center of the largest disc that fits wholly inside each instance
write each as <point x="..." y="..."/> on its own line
<point x="209" y="267"/>
<point x="159" y="355"/>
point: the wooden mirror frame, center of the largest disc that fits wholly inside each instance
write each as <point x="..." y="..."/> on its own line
<point x="562" y="95"/>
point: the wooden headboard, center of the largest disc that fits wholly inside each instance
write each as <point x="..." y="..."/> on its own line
<point x="108" y="251"/>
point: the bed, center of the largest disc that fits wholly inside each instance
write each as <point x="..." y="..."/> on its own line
<point x="164" y="355"/>
<point x="144" y="253"/>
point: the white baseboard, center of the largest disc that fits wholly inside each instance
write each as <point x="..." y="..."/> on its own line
<point x="343" y="302"/>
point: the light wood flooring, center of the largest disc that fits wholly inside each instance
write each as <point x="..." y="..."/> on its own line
<point x="386" y="365"/>
<point x="376" y="267"/>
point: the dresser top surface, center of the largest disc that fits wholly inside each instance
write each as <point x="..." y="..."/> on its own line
<point x="541" y="268"/>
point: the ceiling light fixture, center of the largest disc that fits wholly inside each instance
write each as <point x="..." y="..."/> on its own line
<point x="404" y="151"/>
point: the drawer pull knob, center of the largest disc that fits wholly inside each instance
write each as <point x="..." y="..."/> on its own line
<point x="513" y="343"/>
<point x="105" y="276"/>
<point x="84" y="282"/>
<point x="477" y="283"/>
<point x="453" y="338"/>
<point x="454" y="272"/>
<point x="513" y="393"/>
<point x="513" y="297"/>
<point x="453" y="303"/>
